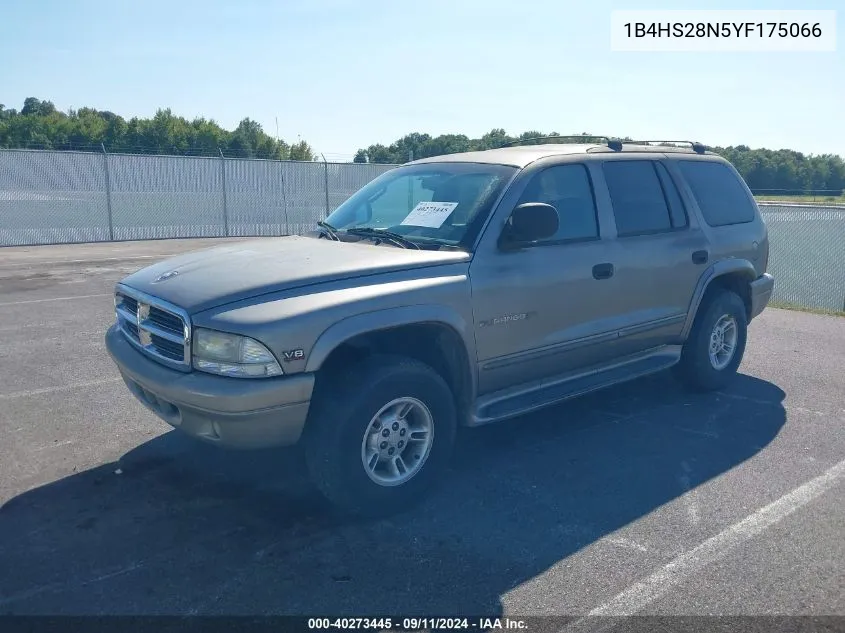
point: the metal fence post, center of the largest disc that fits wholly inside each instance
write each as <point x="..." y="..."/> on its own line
<point x="284" y="197"/>
<point x="326" y="182"/>
<point x="225" y="201"/>
<point x="108" y="191"/>
<point x="410" y="184"/>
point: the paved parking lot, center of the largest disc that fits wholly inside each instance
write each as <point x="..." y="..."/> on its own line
<point x="644" y="499"/>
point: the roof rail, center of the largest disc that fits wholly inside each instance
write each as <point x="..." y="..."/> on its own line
<point x="614" y="143"/>
<point x="609" y="140"/>
<point x="699" y="148"/>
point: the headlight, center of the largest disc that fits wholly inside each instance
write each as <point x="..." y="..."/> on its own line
<point x="233" y="355"/>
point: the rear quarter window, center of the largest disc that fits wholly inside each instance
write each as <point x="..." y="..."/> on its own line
<point x="720" y="193"/>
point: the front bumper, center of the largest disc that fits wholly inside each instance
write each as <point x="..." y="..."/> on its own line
<point x="233" y="412"/>
<point x="761" y="293"/>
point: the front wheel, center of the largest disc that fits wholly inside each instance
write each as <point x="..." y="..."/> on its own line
<point x="716" y="344"/>
<point x="380" y="435"/>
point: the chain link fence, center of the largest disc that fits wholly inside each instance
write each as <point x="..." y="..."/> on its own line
<point x="67" y="197"/>
<point x="807" y="254"/>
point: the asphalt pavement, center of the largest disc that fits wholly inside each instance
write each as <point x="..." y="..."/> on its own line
<point x="643" y="499"/>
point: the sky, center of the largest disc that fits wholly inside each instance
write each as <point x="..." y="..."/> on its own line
<point x="343" y="74"/>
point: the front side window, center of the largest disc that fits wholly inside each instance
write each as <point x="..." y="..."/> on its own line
<point x="636" y="194"/>
<point x="569" y="190"/>
<point x="429" y="204"/>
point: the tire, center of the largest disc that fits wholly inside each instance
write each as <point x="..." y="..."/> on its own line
<point x="340" y="429"/>
<point x="697" y="368"/>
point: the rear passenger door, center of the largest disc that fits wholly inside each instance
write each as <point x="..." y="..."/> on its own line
<point x="658" y="254"/>
<point x="728" y="210"/>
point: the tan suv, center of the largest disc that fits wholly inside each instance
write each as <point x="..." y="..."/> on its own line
<point x="456" y="290"/>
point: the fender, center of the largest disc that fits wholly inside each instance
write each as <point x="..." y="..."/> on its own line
<point x="715" y="270"/>
<point x="350" y="327"/>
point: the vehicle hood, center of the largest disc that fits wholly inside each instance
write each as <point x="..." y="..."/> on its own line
<point x="213" y="277"/>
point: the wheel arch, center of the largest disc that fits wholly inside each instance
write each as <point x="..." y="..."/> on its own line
<point x="735" y="275"/>
<point x="432" y="334"/>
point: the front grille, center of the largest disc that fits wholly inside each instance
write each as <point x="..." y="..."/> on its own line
<point x="166" y="320"/>
<point x="132" y="329"/>
<point x="175" y="351"/>
<point x="130" y="303"/>
<point x="159" y="329"/>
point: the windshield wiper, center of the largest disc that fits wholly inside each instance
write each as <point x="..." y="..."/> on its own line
<point x="329" y="230"/>
<point x="382" y="234"/>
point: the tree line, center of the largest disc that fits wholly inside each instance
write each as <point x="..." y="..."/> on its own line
<point x="763" y="169"/>
<point x="38" y="125"/>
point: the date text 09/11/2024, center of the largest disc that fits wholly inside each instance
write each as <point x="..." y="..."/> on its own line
<point x="418" y="623"/>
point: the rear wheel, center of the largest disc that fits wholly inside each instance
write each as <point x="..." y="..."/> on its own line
<point x="380" y="435"/>
<point x="716" y="344"/>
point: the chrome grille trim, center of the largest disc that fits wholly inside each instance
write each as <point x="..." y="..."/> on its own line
<point x="154" y="330"/>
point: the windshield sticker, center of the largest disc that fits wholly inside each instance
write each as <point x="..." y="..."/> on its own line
<point x="430" y="214"/>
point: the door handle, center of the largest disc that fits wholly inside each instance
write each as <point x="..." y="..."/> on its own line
<point x="603" y="271"/>
<point x="700" y="257"/>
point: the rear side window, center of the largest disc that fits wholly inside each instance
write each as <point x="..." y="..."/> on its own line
<point x="568" y="189"/>
<point x="636" y="193"/>
<point x="720" y="194"/>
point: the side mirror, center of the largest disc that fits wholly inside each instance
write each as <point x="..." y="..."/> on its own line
<point x="528" y="223"/>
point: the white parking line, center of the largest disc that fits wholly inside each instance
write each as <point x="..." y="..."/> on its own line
<point x="19" y="303"/>
<point x="646" y="591"/>
<point x="37" y="392"/>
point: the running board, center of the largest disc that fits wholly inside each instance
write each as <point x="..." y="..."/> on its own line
<point x="523" y="399"/>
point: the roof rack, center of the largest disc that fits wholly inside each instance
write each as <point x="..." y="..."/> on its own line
<point x="614" y="143"/>
<point x="699" y="148"/>
<point x="582" y="137"/>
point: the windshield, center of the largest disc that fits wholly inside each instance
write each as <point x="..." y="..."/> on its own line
<point x="428" y="204"/>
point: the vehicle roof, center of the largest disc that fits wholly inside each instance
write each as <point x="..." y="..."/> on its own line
<point x="522" y="155"/>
